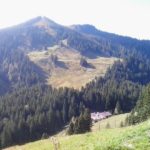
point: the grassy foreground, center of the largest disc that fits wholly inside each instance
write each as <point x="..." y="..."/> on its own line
<point x="127" y="138"/>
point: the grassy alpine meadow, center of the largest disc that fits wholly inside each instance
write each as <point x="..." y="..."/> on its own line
<point x="127" y="138"/>
<point x="114" y="121"/>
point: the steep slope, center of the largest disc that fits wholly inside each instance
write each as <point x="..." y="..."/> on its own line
<point x="40" y="33"/>
<point x="34" y="34"/>
<point x="141" y="111"/>
<point x="16" y="70"/>
<point x="127" y="138"/>
<point x="119" y="45"/>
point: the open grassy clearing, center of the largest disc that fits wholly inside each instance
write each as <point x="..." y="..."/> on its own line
<point x="113" y="121"/>
<point x="68" y="72"/>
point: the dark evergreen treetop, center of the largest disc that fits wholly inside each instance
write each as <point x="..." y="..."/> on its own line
<point x="141" y="112"/>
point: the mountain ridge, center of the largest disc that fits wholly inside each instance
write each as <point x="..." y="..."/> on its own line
<point x="42" y="32"/>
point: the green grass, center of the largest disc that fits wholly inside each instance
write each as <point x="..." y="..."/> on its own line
<point x="113" y="121"/>
<point x="127" y="138"/>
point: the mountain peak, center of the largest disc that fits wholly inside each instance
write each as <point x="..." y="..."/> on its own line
<point x="41" y="21"/>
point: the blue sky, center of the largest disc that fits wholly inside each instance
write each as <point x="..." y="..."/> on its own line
<point x="125" y="17"/>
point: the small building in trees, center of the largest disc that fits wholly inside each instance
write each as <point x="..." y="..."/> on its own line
<point x="97" y="116"/>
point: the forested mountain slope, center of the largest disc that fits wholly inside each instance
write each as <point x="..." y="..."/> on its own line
<point x="141" y="111"/>
<point x="29" y="108"/>
<point x="16" y="70"/>
<point x="41" y="33"/>
<point x="119" y="45"/>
